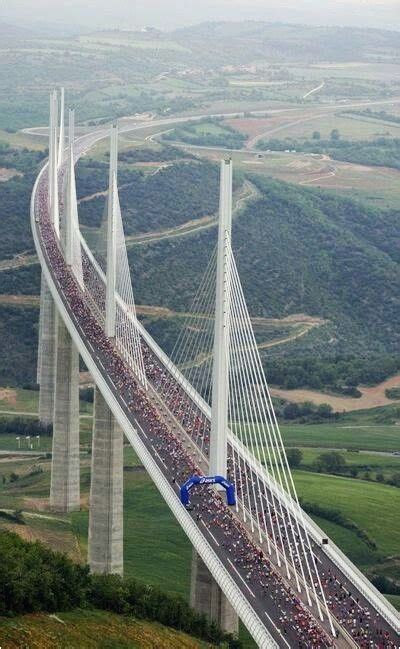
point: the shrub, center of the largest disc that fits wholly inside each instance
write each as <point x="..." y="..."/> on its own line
<point x="294" y="456"/>
<point x="330" y="462"/>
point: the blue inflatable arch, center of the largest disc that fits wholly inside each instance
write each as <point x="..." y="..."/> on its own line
<point x="202" y="479"/>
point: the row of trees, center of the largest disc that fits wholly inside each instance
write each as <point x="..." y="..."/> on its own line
<point x="340" y="374"/>
<point x="24" y="426"/>
<point x="160" y="154"/>
<point x="34" y="578"/>
<point x="382" y="115"/>
<point x="382" y="151"/>
<point x="307" y="412"/>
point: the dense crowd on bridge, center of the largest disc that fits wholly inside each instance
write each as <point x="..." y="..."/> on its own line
<point x="209" y="509"/>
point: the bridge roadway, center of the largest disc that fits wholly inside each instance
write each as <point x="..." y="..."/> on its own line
<point x="333" y="578"/>
<point x="266" y="606"/>
<point x="267" y="609"/>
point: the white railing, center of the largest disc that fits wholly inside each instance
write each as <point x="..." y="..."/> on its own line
<point x="221" y="574"/>
<point x="378" y="601"/>
<point x="355" y="576"/>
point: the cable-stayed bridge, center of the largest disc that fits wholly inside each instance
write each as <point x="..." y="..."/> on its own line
<point x="204" y="411"/>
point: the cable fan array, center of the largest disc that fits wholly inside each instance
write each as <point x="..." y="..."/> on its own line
<point x="127" y="339"/>
<point x="267" y="499"/>
<point x="70" y="224"/>
<point x="126" y="330"/>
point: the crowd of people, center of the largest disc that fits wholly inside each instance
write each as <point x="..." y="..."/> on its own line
<point x="208" y="507"/>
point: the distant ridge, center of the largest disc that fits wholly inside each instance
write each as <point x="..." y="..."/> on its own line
<point x="283" y="42"/>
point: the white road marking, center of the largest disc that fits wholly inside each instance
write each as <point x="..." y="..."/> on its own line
<point x="210" y="533"/>
<point x="139" y="426"/>
<point x="280" y="632"/>
<point x="240" y="576"/>
<point x="159" y="456"/>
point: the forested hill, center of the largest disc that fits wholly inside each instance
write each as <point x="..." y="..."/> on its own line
<point x="298" y="251"/>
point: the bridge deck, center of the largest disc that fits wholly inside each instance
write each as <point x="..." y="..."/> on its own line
<point x="255" y="573"/>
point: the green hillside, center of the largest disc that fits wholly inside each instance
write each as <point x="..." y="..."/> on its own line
<point x="298" y="251"/>
<point x="90" y="629"/>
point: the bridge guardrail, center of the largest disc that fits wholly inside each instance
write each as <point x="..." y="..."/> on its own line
<point x="355" y="576"/>
<point x="379" y="602"/>
<point x="221" y="574"/>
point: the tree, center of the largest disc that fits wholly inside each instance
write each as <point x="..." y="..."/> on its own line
<point x="316" y="135"/>
<point x="291" y="411"/>
<point x="330" y="462"/>
<point x="380" y="477"/>
<point x="324" y="410"/>
<point x="395" y="480"/>
<point x="335" y="135"/>
<point x="354" y="472"/>
<point x="294" y="456"/>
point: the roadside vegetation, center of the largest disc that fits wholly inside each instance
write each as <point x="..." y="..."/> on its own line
<point x="33" y="578"/>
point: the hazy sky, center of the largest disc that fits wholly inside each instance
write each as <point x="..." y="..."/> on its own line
<point x="167" y="14"/>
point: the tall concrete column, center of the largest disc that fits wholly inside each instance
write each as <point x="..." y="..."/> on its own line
<point x="46" y="355"/>
<point x="220" y="377"/>
<point x="207" y="597"/>
<point x="64" y="486"/>
<point x="106" y="492"/>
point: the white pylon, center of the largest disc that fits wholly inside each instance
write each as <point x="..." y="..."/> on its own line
<point x="51" y="158"/>
<point x="73" y="255"/>
<point x="70" y="207"/>
<point x="53" y="181"/>
<point x="113" y="156"/>
<point x="220" y="385"/>
<point x="110" y="319"/>
<point x="61" y="140"/>
<point x="71" y="126"/>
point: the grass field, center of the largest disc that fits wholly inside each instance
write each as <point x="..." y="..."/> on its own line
<point x="349" y="70"/>
<point x="395" y="600"/>
<point x="349" y="543"/>
<point x="19" y="400"/>
<point x="368" y="504"/>
<point x="21" y="139"/>
<point x="27" y="401"/>
<point x="10" y="443"/>
<point x="349" y="128"/>
<point x="111" y="39"/>
<point x="90" y="630"/>
<point x="367" y="437"/>
<point x="338" y="177"/>
<point x="354" y="458"/>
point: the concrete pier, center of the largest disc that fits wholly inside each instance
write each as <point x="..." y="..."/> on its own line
<point x="207" y="597"/>
<point x="64" y="486"/>
<point x="46" y="352"/>
<point x="106" y="492"/>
